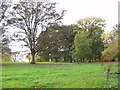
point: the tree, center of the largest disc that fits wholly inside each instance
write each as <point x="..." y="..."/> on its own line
<point x="48" y="43"/>
<point x="112" y="46"/>
<point x="15" y="56"/>
<point x="56" y="42"/>
<point x="67" y="39"/>
<point x="92" y="29"/>
<point x="31" y="18"/>
<point x="5" y="51"/>
<point x="82" y="46"/>
<point x="37" y="57"/>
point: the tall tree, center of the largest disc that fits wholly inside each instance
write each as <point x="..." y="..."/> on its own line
<point x="82" y="46"/>
<point x="56" y="41"/>
<point x="92" y="29"/>
<point x="32" y="17"/>
<point x="67" y="38"/>
<point x="5" y="40"/>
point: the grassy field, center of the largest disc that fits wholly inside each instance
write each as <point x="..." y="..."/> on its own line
<point x="58" y="75"/>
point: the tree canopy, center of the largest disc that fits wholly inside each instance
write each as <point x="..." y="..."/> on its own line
<point x="56" y="41"/>
<point x="112" y="46"/>
<point x="32" y="18"/>
<point x="88" y="43"/>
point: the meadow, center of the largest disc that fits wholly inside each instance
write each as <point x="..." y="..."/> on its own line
<point x="58" y="75"/>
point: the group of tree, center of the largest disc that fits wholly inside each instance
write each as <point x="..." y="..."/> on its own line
<point x="32" y="17"/>
<point x="79" y="42"/>
<point x="55" y="43"/>
<point x="88" y="44"/>
<point x="49" y="40"/>
<point x="111" y="39"/>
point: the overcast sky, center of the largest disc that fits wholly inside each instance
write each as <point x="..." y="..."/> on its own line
<point x="78" y="9"/>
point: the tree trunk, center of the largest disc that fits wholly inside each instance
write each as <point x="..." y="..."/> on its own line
<point x="47" y="59"/>
<point x="70" y="59"/>
<point x="78" y="61"/>
<point x="65" y="59"/>
<point x="56" y="59"/>
<point x="89" y="61"/>
<point x="33" y="58"/>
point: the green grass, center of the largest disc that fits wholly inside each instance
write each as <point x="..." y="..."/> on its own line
<point x="7" y="62"/>
<point x="84" y="75"/>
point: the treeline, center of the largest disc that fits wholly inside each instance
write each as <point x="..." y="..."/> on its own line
<point x="81" y="42"/>
<point x="42" y="31"/>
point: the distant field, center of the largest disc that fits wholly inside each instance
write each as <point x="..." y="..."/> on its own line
<point x="58" y="75"/>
